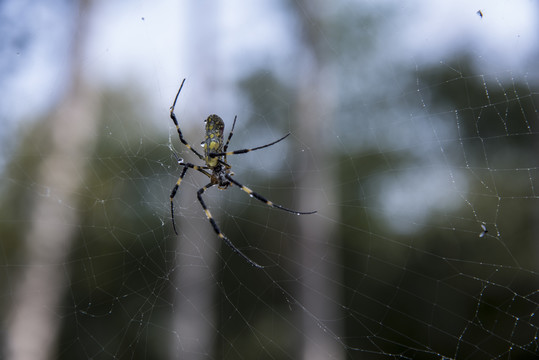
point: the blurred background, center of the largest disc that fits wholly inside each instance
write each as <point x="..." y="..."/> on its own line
<point x="414" y="134"/>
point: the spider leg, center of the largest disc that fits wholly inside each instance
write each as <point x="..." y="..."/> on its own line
<point x="230" y="135"/>
<point x="263" y="199"/>
<point x="243" y="151"/>
<point x="173" y="117"/>
<point x="218" y="231"/>
<point x="176" y="187"/>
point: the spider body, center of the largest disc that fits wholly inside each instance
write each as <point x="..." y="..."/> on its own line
<point x="217" y="170"/>
<point x="213" y="143"/>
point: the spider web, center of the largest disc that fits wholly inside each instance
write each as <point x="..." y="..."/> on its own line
<point x="419" y="151"/>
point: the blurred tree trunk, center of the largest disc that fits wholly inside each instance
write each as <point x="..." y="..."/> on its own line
<point x="320" y="264"/>
<point x="195" y="321"/>
<point x="34" y="324"/>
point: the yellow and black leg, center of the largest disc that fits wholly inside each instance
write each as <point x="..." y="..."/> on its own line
<point x="230" y="136"/>
<point x="176" y="187"/>
<point x="173" y="117"/>
<point x="218" y="231"/>
<point x="263" y="199"/>
<point x="243" y="151"/>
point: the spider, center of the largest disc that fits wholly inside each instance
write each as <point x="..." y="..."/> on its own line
<point x="218" y="170"/>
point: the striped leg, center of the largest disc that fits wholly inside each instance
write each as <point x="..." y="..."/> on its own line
<point x="173" y="117"/>
<point x="176" y="187"/>
<point x="229" y="136"/>
<point x="243" y="151"/>
<point x="263" y="199"/>
<point x="218" y="231"/>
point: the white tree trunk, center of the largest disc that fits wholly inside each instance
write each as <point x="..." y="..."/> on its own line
<point x="320" y="264"/>
<point x="53" y="222"/>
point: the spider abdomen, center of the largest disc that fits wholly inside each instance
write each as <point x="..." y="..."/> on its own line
<point x="213" y="142"/>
